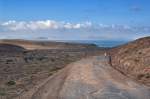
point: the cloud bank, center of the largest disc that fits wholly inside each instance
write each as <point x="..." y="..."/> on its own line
<point x="41" y="25"/>
<point x="60" y="30"/>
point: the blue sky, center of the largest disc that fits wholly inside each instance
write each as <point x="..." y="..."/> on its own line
<point x="87" y="19"/>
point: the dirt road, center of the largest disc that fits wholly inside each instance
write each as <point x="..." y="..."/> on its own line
<point x="91" y="78"/>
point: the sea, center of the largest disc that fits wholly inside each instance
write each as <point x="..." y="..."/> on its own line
<point x="100" y="43"/>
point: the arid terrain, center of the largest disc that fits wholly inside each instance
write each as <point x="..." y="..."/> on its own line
<point x="24" y="64"/>
<point x="133" y="60"/>
<point x="54" y="70"/>
<point x="90" y="78"/>
<point x="37" y="45"/>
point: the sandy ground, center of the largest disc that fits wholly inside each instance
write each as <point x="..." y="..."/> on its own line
<point x="90" y="78"/>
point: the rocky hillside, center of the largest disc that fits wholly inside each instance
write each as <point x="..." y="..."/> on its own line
<point x="133" y="59"/>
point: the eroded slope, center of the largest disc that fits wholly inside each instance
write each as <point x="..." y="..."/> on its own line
<point x="133" y="59"/>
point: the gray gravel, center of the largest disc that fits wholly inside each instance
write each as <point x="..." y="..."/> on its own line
<point x="91" y="78"/>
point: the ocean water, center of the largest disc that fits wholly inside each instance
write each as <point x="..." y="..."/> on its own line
<point x="99" y="43"/>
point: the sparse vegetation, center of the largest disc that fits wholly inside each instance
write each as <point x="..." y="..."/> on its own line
<point x="11" y="83"/>
<point x="132" y="58"/>
<point x="147" y="75"/>
<point x="52" y="59"/>
<point x="2" y="92"/>
<point x="24" y="69"/>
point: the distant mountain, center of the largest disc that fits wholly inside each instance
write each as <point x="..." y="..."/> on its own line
<point x="133" y="59"/>
<point x="10" y="48"/>
<point x="32" y="44"/>
<point x="100" y="43"/>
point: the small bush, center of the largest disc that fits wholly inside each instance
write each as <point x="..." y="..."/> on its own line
<point x="53" y="60"/>
<point x="147" y="75"/>
<point x="11" y="82"/>
<point x="2" y="92"/>
<point x="53" y="70"/>
<point x="140" y="52"/>
<point x="140" y="76"/>
<point x="136" y="60"/>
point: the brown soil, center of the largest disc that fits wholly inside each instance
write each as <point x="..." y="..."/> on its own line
<point x="91" y="78"/>
<point x="133" y="59"/>
<point x="31" y="70"/>
<point x="22" y="69"/>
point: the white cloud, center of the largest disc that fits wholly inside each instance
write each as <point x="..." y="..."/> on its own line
<point x="48" y="24"/>
<point x="33" y="25"/>
<point x="68" y="25"/>
<point x="78" y="25"/>
<point x="51" y="24"/>
<point x="13" y="25"/>
<point x="39" y="25"/>
<point x="66" y="30"/>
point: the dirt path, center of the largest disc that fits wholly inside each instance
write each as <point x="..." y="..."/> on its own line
<point x="91" y="78"/>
